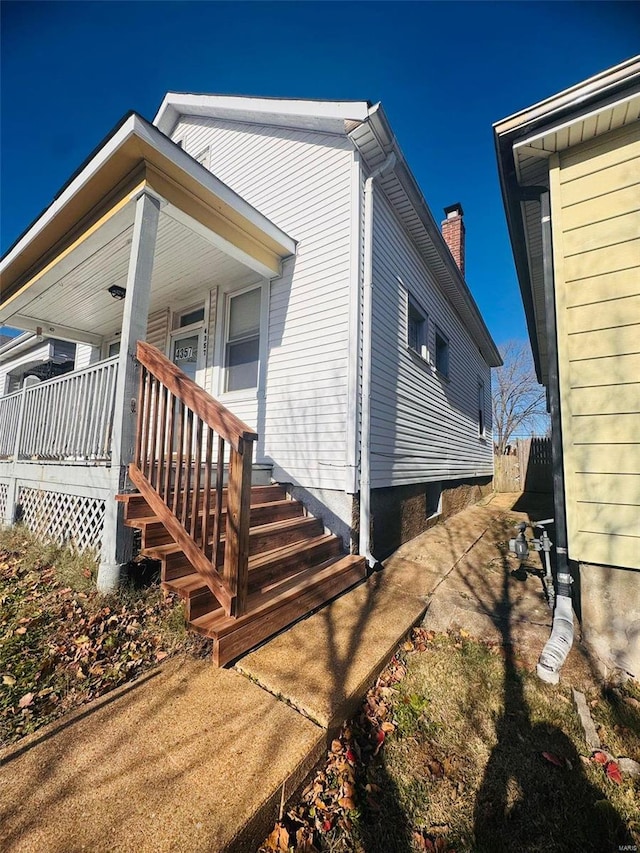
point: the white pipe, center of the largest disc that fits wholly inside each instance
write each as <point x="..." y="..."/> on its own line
<point x="559" y="643"/>
<point x="367" y="322"/>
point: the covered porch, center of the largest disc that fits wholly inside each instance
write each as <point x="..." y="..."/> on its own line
<point x="127" y="263"/>
<point x="139" y="237"/>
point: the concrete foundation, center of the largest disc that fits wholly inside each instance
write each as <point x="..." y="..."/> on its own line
<point x="402" y="512"/>
<point x="330" y="505"/>
<point x="610" y="599"/>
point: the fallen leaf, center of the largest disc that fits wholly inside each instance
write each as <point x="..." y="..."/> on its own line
<point x="408" y="646"/>
<point x="161" y="655"/>
<point x="600" y="757"/>
<point x="278" y="841"/>
<point x="336" y="746"/>
<point x="21" y="630"/>
<point x="388" y="728"/>
<point x="26" y="700"/>
<point x="553" y="759"/>
<point x="347" y="803"/>
<point x="326" y="825"/>
<point x="8" y="680"/>
<point x="613" y="772"/>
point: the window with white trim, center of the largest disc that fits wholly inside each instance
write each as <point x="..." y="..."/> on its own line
<point x="442" y="354"/>
<point x="416" y="329"/>
<point x="188" y="318"/>
<point x="242" y="346"/>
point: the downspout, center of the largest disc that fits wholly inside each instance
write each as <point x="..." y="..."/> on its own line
<point x="559" y="643"/>
<point x="364" y="547"/>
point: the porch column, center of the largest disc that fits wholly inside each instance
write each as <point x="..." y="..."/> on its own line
<point x="116" y="538"/>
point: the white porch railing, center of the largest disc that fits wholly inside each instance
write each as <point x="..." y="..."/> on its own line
<point x="69" y="419"/>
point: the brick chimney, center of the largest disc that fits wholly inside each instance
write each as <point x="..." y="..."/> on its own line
<point x="453" y="233"/>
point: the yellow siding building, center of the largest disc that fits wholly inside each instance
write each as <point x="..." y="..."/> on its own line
<point x="576" y="156"/>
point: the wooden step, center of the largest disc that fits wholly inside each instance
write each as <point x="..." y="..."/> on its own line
<point x="155" y="533"/>
<point x="137" y="507"/>
<point x="268" y="569"/>
<point x="264" y="537"/>
<point x="266" y="615"/>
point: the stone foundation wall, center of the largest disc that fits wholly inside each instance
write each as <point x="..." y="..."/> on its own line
<point x="400" y="513"/>
<point x="610" y="605"/>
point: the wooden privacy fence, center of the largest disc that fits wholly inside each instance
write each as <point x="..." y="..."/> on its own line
<point x="181" y="437"/>
<point x="528" y="468"/>
<point x="68" y="419"/>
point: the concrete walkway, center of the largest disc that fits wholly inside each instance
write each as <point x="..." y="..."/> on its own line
<point x="191" y="758"/>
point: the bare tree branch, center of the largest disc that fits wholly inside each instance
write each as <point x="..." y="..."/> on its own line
<point x="518" y="401"/>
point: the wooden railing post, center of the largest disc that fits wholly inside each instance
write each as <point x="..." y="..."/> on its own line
<point x="236" y="551"/>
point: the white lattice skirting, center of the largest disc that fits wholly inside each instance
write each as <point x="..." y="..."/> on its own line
<point x="67" y="519"/>
<point x="4" y="493"/>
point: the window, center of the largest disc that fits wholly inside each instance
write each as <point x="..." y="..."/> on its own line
<point x="442" y="354"/>
<point x="114" y="348"/>
<point x="191" y="317"/>
<point x="243" y="340"/>
<point x="481" y="408"/>
<point x="416" y="329"/>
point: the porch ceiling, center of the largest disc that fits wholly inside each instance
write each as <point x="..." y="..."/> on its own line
<point x="72" y="300"/>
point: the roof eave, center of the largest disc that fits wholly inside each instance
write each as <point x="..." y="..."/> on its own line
<point x="603" y="88"/>
<point x="134" y="130"/>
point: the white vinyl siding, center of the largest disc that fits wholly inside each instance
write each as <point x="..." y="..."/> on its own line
<point x="423" y="427"/>
<point x="301" y="180"/>
<point x="86" y="355"/>
<point x="596" y="228"/>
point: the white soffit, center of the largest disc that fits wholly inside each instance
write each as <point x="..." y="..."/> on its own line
<point x="580" y="129"/>
<point x="327" y="116"/>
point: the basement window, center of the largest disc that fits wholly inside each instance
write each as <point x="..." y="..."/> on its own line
<point x="442" y="354"/>
<point x="433" y="500"/>
<point x="416" y="329"/>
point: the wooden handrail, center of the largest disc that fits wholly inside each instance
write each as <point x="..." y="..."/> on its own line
<point x="177" y="421"/>
<point x="213" y="413"/>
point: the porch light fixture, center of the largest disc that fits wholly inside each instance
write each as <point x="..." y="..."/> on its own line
<point x="117" y="292"/>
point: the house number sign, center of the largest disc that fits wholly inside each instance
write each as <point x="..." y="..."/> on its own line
<point x="186" y="350"/>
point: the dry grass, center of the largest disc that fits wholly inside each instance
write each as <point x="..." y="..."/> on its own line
<point x="462" y="767"/>
<point x="63" y="644"/>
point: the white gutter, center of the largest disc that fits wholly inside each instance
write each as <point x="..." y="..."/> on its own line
<point x="367" y="323"/>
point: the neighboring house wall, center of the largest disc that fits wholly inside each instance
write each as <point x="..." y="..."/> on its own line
<point x="424" y="427"/>
<point x="301" y="180"/>
<point x="12" y="368"/>
<point x="596" y="227"/>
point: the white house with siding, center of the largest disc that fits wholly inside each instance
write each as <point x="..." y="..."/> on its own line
<point x="281" y="255"/>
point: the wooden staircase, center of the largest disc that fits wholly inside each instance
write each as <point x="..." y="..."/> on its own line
<point x="247" y="560"/>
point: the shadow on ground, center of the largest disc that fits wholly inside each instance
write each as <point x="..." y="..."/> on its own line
<point x="523" y="798"/>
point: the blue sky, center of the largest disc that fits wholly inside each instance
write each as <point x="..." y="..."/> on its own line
<point x="444" y="71"/>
